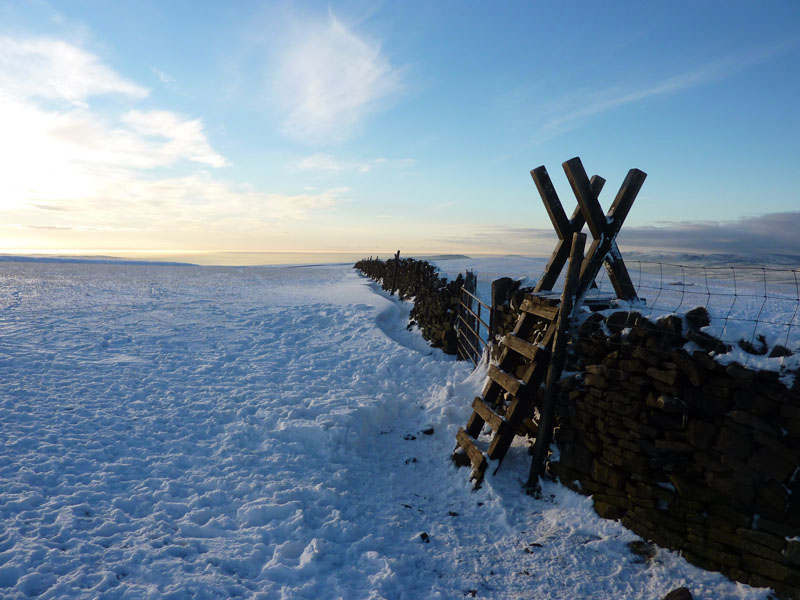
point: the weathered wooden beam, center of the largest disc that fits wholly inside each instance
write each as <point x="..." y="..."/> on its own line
<point x="551" y="202"/>
<point x="625" y="197"/>
<point x="548" y="406"/>
<point x="618" y="274"/>
<point x="544" y="311"/>
<point x="494" y="420"/>
<point x="476" y="457"/>
<point x="521" y="347"/>
<point x="582" y="188"/>
<point x="511" y="384"/>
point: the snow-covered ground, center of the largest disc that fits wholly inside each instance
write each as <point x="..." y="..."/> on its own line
<point x="197" y="432"/>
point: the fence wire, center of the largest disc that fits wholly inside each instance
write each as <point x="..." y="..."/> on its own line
<point x="753" y="309"/>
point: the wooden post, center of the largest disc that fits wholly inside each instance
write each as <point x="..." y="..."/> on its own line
<point x="394" y="277"/>
<point x="548" y="408"/>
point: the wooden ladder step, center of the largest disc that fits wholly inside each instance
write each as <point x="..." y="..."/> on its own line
<point x="494" y="420"/>
<point x="520" y="346"/>
<point x="504" y="380"/>
<point x="546" y="310"/>
<point x="476" y="457"/>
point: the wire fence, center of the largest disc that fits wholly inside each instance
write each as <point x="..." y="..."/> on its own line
<point x="753" y="309"/>
<point x="473" y="333"/>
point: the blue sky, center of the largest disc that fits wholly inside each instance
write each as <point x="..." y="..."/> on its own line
<point x="366" y="127"/>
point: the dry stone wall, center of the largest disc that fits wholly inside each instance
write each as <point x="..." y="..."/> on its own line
<point x="692" y="454"/>
<point x="435" y="298"/>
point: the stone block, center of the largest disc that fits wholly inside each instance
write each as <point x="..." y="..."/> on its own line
<point x="744" y="399"/>
<point x="700" y="561"/>
<point x="617" y="376"/>
<point x="738" y="466"/>
<point x="716" y="390"/>
<point x="647" y="357"/>
<point x="778" y="445"/>
<point x="728" y="486"/>
<point x="632" y="366"/>
<point x="775" y="542"/>
<point x="617" y="321"/>
<point x="740" y="373"/>
<point x="742" y="544"/>
<point x="660" y="518"/>
<point x="734" y="442"/>
<point x="697" y="318"/>
<point x="764" y="407"/>
<point x="577" y="457"/>
<point x="772" y="500"/>
<point x="640" y="428"/>
<point x="608" y="475"/>
<point x="701" y="433"/>
<point x="596" y="369"/>
<point x="792" y="552"/>
<point x="680" y="593"/>
<point x="596" y="381"/>
<point x="718" y="557"/>
<point x="771" y="569"/>
<point x="608" y="511"/>
<point x="790" y="411"/>
<point x="771" y="464"/>
<point x="755" y="423"/>
<point x="671" y="378"/>
<point x="690" y="369"/>
<point x="778" y="528"/>
<point x="711" y="404"/>
<point x="632" y="388"/>
<point x="792" y="427"/>
<point x="675" y="446"/>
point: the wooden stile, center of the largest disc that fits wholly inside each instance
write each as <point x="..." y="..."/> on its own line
<point x="507" y="400"/>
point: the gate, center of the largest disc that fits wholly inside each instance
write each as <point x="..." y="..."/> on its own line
<point x="473" y="333"/>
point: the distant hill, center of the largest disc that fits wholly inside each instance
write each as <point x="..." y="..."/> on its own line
<point x="88" y="260"/>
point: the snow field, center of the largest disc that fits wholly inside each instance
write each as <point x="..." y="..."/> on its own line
<point x="180" y="432"/>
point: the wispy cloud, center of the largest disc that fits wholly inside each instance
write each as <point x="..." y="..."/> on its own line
<point x="574" y="111"/>
<point x="329" y="80"/>
<point x="165" y="78"/>
<point x="182" y="138"/>
<point x="326" y="162"/>
<point x="44" y="68"/>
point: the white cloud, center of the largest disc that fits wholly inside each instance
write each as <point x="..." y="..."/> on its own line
<point x="329" y="80"/>
<point x="184" y="138"/>
<point x="326" y="162"/>
<point x="71" y="168"/>
<point x="44" y="68"/>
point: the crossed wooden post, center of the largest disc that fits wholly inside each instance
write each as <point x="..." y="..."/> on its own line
<point x="604" y="228"/>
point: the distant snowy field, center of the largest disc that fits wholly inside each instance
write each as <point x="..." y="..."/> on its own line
<point x="198" y="432"/>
